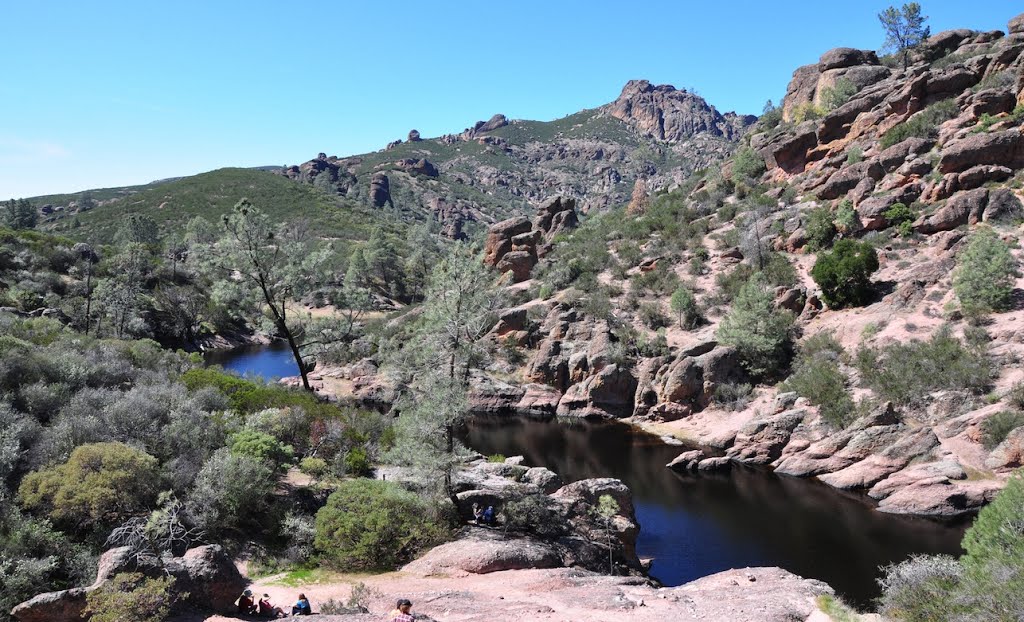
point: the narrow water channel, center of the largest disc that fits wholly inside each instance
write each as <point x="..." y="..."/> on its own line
<point x="694" y="525"/>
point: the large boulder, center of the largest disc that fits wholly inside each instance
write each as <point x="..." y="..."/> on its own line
<point x="1016" y="25"/>
<point x="1004" y="148"/>
<point x="839" y="58"/>
<point x="846" y="178"/>
<point x="206" y="573"/>
<point x="499" y="238"/>
<point x="417" y="167"/>
<point x="481" y="551"/>
<point x="609" y="393"/>
<point x="789" y="150"/>
<point x="961" y="209"/>
<point x="761" y="440"/>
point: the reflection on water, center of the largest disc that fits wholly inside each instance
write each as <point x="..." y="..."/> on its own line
<point x="695" y="525"/>
<point x="266" y="361"/>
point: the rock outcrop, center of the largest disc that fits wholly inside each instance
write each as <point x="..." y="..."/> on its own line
<point x="380" y="191"/>
<point x="666" y="113"/>
<point x="205" y="573"/>
<point x="515" y="245"/>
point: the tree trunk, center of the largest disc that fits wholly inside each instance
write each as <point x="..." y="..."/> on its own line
<point x="88" y="298"/>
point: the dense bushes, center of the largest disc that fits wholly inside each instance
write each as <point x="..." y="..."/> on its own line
<point x="844" y="275"/>
<point x="747" y="163"/>
<point x="98" y="487"/>
<point x="998" y="426"/>
<point x="231" y="495"/>
<point x="985" y="274"/>
<point x="375" y="525"/>
<point x="907" y="372"/>
<point x="821" y="229"/>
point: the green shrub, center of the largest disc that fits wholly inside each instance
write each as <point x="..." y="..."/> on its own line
<point x="820" y="228"/>
<point x="838" y="94"/>
<point x="901" y="217"/>
<point x="374" y="525"/>
<point x="924" y="124"/>
<point x="759" y="332"/>
<point x="907" y="372"/>
<point x="314" y="467"/>
<point x="357" y="462"/>
<point x="652" y="316"/>
<point x="231" y="494"/>
<point x="846" y="219"/>
<point x="248" y="396"/>
<point x="996" y="427"/>
<point x="921" y="589"/>
<point x="985" y="274"/>
<point x="101" y="485"/>
<point x="747" y="163"/>
<point x="817" y="377"/>
<point x="844" y="275"/>
<point x="684" y="305"/>
<point x="994" y="558"/>
<point x="1015" y="396"/>
<point x="854" y="155"/>
<point x="733" y="395"/>
<point x="261" y="446"/>
<point x="132" y="597"/>
<point x="496" y="458"/>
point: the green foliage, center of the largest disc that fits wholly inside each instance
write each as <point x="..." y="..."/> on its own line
<point x="820" y="228"/>
<point x="375" y="525"/>
<point x="901" y="217"/>
<point x="994" y="559"/>
<point x="904" y="28"/>
<point x="997" y="426"/>
<point x="817" y="376"/>
<point x="907" y="372"/>
<point x="100" y="485"/>
<point x="985" y="274"/>
<point x="838" y="94"/>
<point x="758" y="331"/>
<point x="924" y="124"/>
<point x="132" y="597"/>
<point x="807" y="111"/>
<point x="844" y="275"/>
<point x="357" y="462"/>
<point x="261" y="446"/>
<point x="314" y="467"/>
<point x="660" y="280"/>
<point x="652" y="316"/>
<point x="19" y="214"/>
<point x="249" y="396"/>
<point x="846" y="219"/>
<point x="231" y="494"/>
<point x="854" y="154"/>
<point x="684" y="305"/>
<point x="496" y="458"/>
<point x="921" y="589"/>
<point x="747" y="163"/>
<point x="733" y="395"/>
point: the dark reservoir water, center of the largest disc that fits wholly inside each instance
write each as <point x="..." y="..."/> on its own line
<point x="694" y="525"/>
<point x="265" y="361"/>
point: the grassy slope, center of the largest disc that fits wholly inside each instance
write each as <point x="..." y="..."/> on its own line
<point x="174" y="203"/>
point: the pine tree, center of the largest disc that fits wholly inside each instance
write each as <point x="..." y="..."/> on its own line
<point x="759" y="332"/>
<point x="904" y="29"/>
<point x="985" y="274"/>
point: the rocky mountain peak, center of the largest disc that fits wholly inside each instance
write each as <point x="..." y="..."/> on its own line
<point x="666" y="113"/>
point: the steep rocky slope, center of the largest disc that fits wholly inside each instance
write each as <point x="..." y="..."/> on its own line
<point x="499" y="168"/>
<point x="942" y="136"/>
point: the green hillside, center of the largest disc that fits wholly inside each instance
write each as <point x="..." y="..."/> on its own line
<point x="172" y="204"/>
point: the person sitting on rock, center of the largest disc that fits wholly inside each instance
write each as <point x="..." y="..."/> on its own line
<point x="478" y="514"/>
<point x="401" y="612"/>
<point x="302" y="607"/>
<point x="488" y="515"/>
<point x="268" y="609"/>
<point x="245" y="604"/>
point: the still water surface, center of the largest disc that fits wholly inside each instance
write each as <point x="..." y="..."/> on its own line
<point x="694" y="525"/>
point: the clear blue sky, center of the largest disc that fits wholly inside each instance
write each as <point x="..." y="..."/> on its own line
<point x="98" y="94"/>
